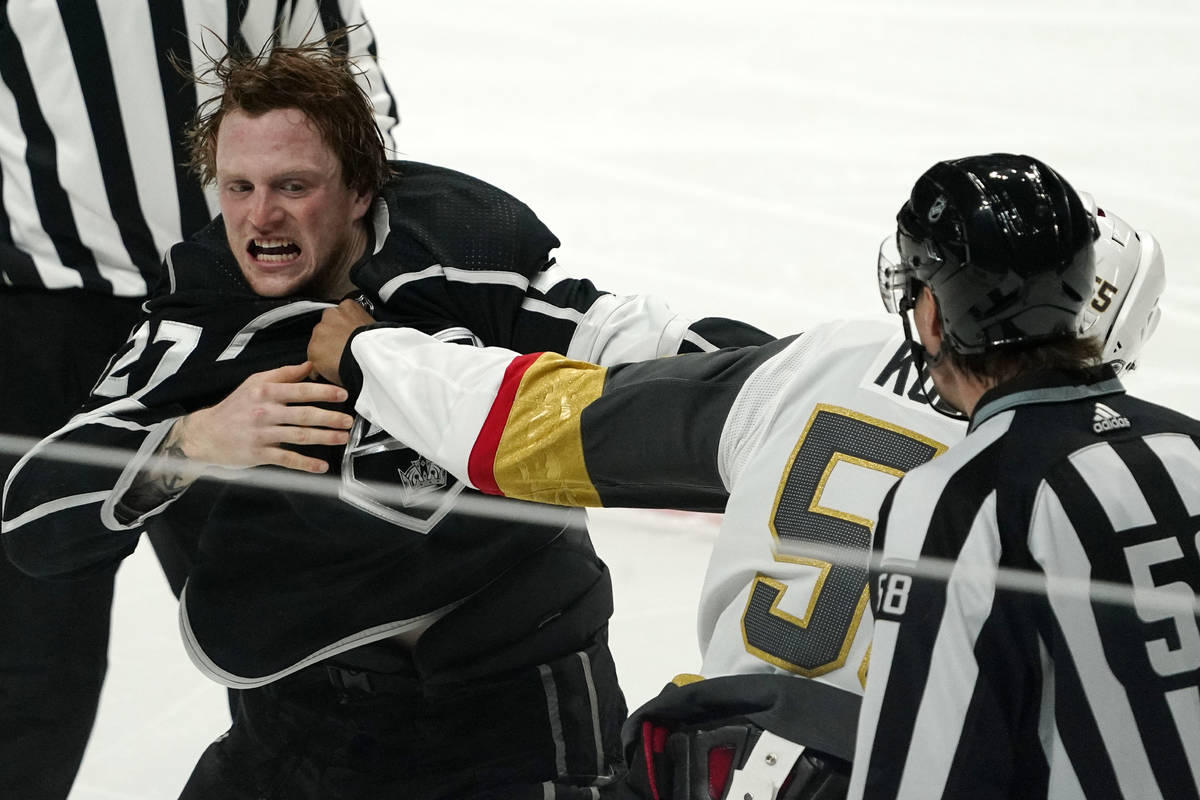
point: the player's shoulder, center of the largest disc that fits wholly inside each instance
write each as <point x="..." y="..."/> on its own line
<point x="437" y="216"/>
<point x="201" y="268"/>
<point x="443" y="196"/>
<point x="862" y="368"/>
<point x="864" y="335"/>
<point x="411" y="178"/>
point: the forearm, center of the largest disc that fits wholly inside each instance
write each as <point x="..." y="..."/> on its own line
<point x="166" y="476"/>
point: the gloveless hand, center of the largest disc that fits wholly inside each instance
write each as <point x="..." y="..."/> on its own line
<point x="267" y="410"/>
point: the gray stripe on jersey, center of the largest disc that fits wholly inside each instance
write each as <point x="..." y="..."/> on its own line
<point x="243" y="337"/>
<point x="487" y="276"/>
<point x="400" y="630"/>
<point x="458" y="334"/>
<point x="1185" y="708"/>
<point x="950" y="684"/>
<point x="593" y="708"/>
<point x="1181" y="458"/>
<point x="699" y="341"/>
<point x="551" y="310"/>
<point x="1055" y="545"/>
<point x="1057" y="395"/>
<point x="56" y="505"/>
<point x="1063" y="783"/>
<point x="550" y="277"/>
<point x="555" y="716"/>
<point x="1113" y="485"/>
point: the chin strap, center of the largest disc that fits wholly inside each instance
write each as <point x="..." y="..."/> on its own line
<point x="923" y="360"/>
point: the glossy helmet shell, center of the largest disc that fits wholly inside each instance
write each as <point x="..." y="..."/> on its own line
<point x="1005" y="245"/>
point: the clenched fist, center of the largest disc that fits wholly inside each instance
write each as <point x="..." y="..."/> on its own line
<point x="330" y="336"/>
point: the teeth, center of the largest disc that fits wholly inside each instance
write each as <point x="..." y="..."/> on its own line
<point x="273" y="250"/>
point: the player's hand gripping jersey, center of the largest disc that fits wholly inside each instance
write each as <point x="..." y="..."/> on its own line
<point x="289" y="578"/>
<point x="797" y="440"/>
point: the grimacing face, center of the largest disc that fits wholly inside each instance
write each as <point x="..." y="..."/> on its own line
<point x="291" y="222"/>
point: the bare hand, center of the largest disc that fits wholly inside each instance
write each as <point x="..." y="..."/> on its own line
<point x="268" y="409"/>
<point x="329" y="338"/>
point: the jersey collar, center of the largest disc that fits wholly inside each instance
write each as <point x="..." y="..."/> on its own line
<point x="1052" y="386"/>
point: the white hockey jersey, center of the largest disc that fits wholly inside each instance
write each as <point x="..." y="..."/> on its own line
<point x="797" y="441"/>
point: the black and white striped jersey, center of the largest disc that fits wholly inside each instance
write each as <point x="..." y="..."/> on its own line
<point x="288" y="578"/>
<point x="1055" y="651"/>
<point x="92" y="187"/>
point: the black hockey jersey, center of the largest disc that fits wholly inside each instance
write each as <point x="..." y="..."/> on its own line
<point x="288" y="578"/>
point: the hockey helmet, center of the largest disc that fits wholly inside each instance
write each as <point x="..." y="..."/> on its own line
<point x="1005" y="245"/>
<point x="1130" y="278"/>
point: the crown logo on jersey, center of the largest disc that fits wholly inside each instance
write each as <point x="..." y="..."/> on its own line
<point x="383" y="476"/>
<point x="1104" y="419"/>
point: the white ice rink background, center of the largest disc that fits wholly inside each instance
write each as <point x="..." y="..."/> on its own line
<point x="742" y="159"/>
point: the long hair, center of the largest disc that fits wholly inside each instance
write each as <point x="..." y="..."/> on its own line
<point x="316" y="77"/>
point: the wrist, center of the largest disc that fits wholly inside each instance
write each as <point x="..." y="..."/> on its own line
<point x="186" y="439"/>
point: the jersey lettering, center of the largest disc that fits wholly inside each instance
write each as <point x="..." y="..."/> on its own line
<point x="1176" y="604"/>
<point x="893" y="595"/>
<point x="904" y="379"/>
<point x="181" y="339"/>
<point x="820" y="640"/>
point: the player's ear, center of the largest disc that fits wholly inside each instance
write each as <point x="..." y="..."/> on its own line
<point x="928" y="321"/>
<point x="362" y="203"/>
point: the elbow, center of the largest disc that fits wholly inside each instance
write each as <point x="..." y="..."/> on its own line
<point x="53" y="558"/>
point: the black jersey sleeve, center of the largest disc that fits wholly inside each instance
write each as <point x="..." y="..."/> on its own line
<point x="452" y="253"/>
<point x="60" y="516"/>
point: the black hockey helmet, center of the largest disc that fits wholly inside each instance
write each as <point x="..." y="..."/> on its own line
<point x="1005" y="245"/>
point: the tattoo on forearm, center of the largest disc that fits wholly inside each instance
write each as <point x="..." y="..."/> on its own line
<point x="170" y="480"/>
<point x="165" y="477"/>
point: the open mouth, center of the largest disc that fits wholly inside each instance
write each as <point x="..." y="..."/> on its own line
<point x="277" y="250"/>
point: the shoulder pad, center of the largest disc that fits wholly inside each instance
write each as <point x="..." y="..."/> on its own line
<point x="436" y="216"/>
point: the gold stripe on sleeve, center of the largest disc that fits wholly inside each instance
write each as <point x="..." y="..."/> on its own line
<point x="540" y="456"/>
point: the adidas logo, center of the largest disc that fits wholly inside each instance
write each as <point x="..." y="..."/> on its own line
<point x="1105" y="419"/>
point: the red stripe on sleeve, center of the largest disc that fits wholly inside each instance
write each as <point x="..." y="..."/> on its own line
<point x="483" y="453"/>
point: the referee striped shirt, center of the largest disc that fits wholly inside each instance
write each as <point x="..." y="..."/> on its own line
<point x="92" y="187"/>
<point x="1036" y="630"/>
